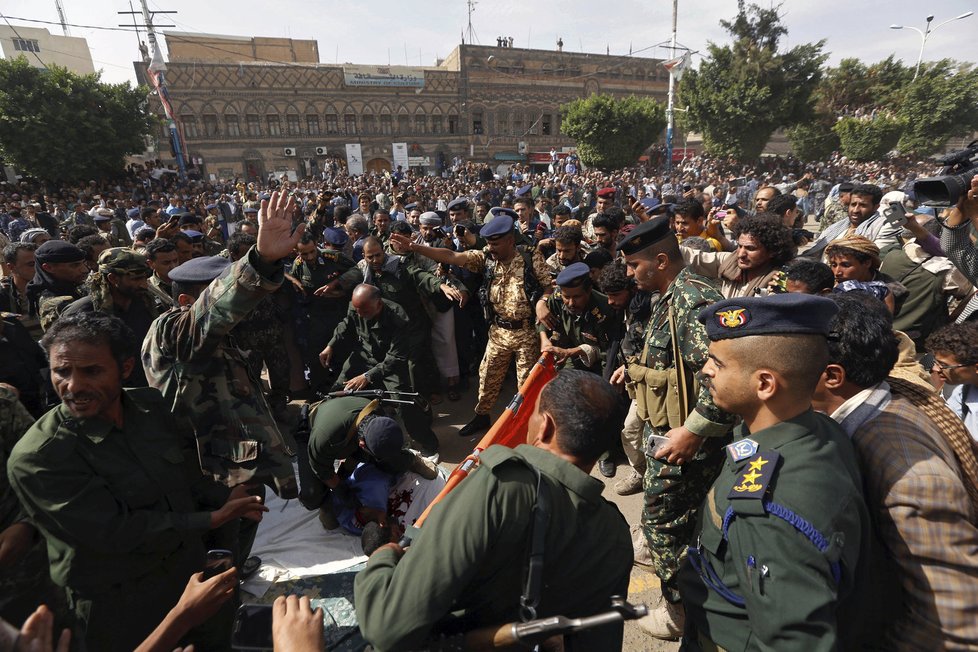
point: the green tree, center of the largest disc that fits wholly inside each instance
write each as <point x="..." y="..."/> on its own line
<point x="612" y="133"/>
<point x="744" y="91"/>
<point x="813" y="140"/>
<point x="941" y="104"/>
<point x="868" y="140"/>
<point x="58" y="125"/>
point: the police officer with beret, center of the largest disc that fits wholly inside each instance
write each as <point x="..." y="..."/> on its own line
<point x="583" y="318"/>
<point x="784" y="532"/>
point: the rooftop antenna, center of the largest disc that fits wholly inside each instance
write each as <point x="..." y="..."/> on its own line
<point x="61" y="17"/>
<point x="470" y="31"/>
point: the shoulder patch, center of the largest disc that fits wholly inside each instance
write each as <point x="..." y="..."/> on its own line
<point x="754" y="479"/>
<point x="742" y="449"/>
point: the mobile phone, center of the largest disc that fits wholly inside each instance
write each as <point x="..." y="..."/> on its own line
<point x="654" y="443"/>
<point x="218" y="561"/>
<point x="895" y="213"/>
<point x="252" y="629"/>
<point x="720" y="215"/>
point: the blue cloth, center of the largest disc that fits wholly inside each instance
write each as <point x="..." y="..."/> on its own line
<point x="371" y="487"/>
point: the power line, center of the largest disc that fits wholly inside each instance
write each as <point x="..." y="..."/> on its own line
<point x="23" y="40"/>
<point x="51" y="22"/>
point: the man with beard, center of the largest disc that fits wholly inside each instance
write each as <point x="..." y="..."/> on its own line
<point x="161" y="255"/>
<point x="581" y="337"/>
<point x="567" y="240"/>
<point x="764" y="246"/>
<point x="59" y="276"/>
<point x="119" y="288"/>
<point x="18" y="259"/>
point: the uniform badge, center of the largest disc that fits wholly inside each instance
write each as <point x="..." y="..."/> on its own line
<point x="741" y="450"/>
<point x="753" y="479"/>
<point x="733" y="318"/>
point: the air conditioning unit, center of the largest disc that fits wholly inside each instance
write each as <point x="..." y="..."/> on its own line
<point x="289" y="151"/>
<point x="320" y="151"/>
<point x="521" y="148"/>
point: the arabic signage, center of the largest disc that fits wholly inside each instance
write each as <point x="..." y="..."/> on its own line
<point x="389" y="76"/>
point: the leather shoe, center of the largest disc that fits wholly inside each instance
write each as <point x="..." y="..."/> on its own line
<point x="478" y="423"/>
<point x="607" y="468"/>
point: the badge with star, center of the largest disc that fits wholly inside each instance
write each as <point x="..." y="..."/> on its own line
<point x="755" y="476"/>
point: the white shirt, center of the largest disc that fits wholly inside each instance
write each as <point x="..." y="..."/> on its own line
<point x="963" y="401"/>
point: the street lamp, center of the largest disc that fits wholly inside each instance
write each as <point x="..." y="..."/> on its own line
<point x="927" y="32"/>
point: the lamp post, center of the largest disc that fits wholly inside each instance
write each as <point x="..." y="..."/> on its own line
<point x="926" y="33"/>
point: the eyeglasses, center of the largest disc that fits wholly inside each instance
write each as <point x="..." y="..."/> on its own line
<point x="944" y="367"/>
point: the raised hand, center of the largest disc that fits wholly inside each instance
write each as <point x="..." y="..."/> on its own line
<point x="276" y="240"/>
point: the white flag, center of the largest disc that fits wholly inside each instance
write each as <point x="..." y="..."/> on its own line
<point x="677" y="66"/>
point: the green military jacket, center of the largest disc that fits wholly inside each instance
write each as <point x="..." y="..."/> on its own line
<point x="15" y="420"/>
<point x="114" y="504"/>
<point x="399" y="281"/>
<point x="469" y="558"/>
<point x="208" y="384"/>
<point x="793" y="578"/>
<point x="329" y="266"/>
<point x="686" y="295"/>
<point x="383" y="341"/>
<point x="590" y="330"/>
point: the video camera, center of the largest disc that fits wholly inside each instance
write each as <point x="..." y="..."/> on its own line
<point x="959" y="168"/>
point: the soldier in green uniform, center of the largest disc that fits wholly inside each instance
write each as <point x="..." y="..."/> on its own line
<point x="469" y="559"/>
<point x="59" y="276"/>
<point x="338" y="432"/>
<point x="312" y="269"/>
<point x="684" y="430"/>
<point x="582" y="335"/>
<point x="784" y="530"/>
<point x="206" y="380"/>
<point x="106" y="477"/>
<point x="375" y="332"/>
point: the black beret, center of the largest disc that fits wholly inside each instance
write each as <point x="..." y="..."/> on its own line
<point x="189" y="218"/>
<point x="459" y="204"/>
<point x="509" y="212"/>
<point x="58" y="251"/>
<point x="573" y="275"/>
<point x="645" y="235"/>
<point x="384" y="439"/>
<point x="200" y="270"/>
<point x="335" y="236"/>
<point x="524" y="190"/>
<point x="777" y="314"/>
<point x="846" y="186"/>
<point x="499" y="225"/>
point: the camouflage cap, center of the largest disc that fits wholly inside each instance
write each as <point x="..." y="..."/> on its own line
<point x="122" y="260"/>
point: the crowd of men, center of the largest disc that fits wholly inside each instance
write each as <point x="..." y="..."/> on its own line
<point x="793" y="401"/>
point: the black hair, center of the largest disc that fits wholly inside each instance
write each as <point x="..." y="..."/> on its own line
<point x="604" y="221"/>
<point x="616" y="214"/>
<point x="159" y="246"/>
<point x="868" y="190"/>
<point x="597" y="259"/>
<point x="960" y="340"/>
<point x="690" y="208"/>
<point x="816" y="275"/>
<point x="80" y="231"/>
<point x="240" y="242"/>
<point x="147" y="212"/>
<point x="561" y="209"/>
<point x="781" y="204"/>
<point x="93" y="328"/>
<point x="614" y="278"/>
<point x="768" y="230"/>
<point x="587" y="424"/>
<point x="525" y="199"/>
<point x="180" y="236"/>
<point x="862" y="340"/>
<point x="11" y="251"/>
<point x="568" y="235"/>
<point x="89" y="243"/>
<point x="402" y="228"/>
<point x="340" y="213"/>
<point x="307" y="238"/>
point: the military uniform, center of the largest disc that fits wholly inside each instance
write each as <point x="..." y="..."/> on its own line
<point x="554" y="266"/>
<point x="783" y="530"/>
<point x="590" y="330"/>
<point x="321" y="314"/>
<point x="27" y="584"/>
<point x="119" y="511"/>
<point x="832" y="214"/>
<point x="511" y="329"/>
<point x="208" y="383"/>
<point x="381" y="351"/>
<point x="162" y="293"/>
<point x="469" y="557"/>
<point x="11" y="300"/>
<point x="262" y="336"/>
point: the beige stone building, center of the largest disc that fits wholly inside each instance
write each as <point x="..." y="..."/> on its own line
<point x="42" y="48"/>
<point x="256" y="106"/>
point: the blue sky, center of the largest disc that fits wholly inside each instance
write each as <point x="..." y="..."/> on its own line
<point x="409" y="31"/>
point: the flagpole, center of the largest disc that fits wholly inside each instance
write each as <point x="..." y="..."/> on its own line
<point x="672" y="85"/>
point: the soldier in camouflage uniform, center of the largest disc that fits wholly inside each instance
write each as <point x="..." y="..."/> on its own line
<point x="836" y="210"/>
<point x="24" y="579"/>
<point x="567" y="240"/>
<point x="582" y="336"/>
<point x="189" y="356"/>
<point x="683" y="463"/>
<point x="516" y="279"/>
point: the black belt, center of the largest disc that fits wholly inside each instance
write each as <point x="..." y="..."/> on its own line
<point x="514" y="325"/>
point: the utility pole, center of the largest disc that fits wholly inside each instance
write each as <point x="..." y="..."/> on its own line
<point x="155" y="72"/>
<point x="61" y="17"/>
<point x="672" y="85"/>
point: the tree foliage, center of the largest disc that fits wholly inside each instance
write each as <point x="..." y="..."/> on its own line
<point x="612" y="133"/>
<point x="744" y="91"/>
<point x="940" y="105"/>
<point x="868" y="140"/>
<point x="813" y="140"/>
<point x="62" y="126"/>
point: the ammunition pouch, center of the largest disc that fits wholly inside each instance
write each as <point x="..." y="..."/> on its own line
<point x="657" y="396"/>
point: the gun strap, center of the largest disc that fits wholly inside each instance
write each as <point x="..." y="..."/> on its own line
<point x="530" y="599"/>
<point x="364" y="413"/>
<point x="677" y="359"/>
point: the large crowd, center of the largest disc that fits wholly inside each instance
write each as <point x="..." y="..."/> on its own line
<point x="778" y="355"/>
